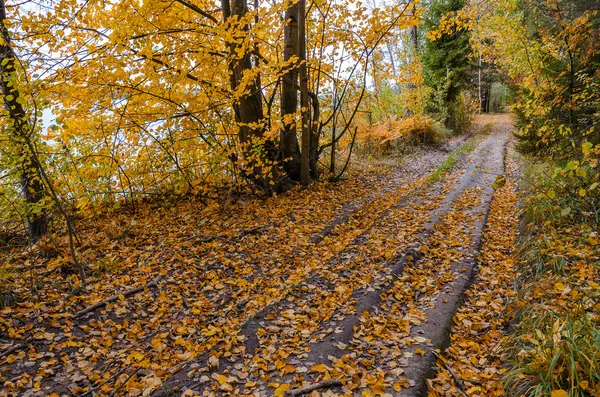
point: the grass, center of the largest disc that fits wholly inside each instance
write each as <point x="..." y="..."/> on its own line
<point x="556" y="342"/>
<point x="452" y="158"/>
<point x="555" y="351"/>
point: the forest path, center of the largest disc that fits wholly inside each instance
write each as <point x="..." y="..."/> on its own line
<point x="354" y="281"/>
<point x="373" y="313"/>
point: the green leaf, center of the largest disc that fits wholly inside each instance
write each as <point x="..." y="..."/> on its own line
<point x="571" y="165"/>
<point x="499" y="182"/>
<point x="551" y="193"/>
<point x="581" y="172"/>
<point x="565" y="211"/>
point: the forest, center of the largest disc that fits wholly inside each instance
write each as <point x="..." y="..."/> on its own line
<point x="300" y="197"/>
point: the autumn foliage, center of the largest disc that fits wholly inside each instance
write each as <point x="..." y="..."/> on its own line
<point x="277" y="197"/>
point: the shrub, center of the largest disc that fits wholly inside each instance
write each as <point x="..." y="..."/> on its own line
<point x="392" y="134"/>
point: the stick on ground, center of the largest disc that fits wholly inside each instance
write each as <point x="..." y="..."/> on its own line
<point x="15" y="347"/>
<point x="115" y="297"/>
<point x="116" y="375"/>
<point x="461" y="388"/>
<point x="116" y="390"/>
<point x="319" y="385"/>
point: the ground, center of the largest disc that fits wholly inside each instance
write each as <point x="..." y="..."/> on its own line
<point x="358" y="281"/>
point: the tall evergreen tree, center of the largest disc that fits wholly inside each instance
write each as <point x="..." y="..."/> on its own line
<point x="448" y="68"/>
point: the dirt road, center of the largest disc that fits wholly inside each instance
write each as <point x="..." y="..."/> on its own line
<point x="373" y="313"/>
<point x="356" y="282"/>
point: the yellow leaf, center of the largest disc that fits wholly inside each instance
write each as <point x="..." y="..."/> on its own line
<point x="288" y="369"/>
<point x="226" y="387"/>
<point x="221" y="379"/>
<point x="584" y="384"/>
<point x="319" y="368"/>
<point x="559" y="393"/>
<point x="122" y="297"/>
<point x="279" y="364"/>
<point x="280" y="391"/>
<point x="378" y="388"/>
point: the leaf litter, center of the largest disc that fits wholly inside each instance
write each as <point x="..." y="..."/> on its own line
<point x="220" y="269"/>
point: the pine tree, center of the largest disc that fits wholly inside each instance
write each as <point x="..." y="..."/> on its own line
<point x="447" y="63"/>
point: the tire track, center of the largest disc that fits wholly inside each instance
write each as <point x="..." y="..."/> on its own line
<point x="323" y="286"/>
<point x="470" y="198"/>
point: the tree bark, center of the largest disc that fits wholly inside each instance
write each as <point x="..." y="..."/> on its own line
<point x="315" y="130"/>
<point x="333" y="137"/>
<point x="250" y="113"/>
<point x="290" y="150"/>
<point x="306" y="127"/>
<point x="19" y="131"/>
<point x="248" y="109"/>
<point x="479" y="85"/>
<point x="413" y="31"/>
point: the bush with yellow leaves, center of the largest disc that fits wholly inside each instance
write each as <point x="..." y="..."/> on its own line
<point x="390" y="134"/>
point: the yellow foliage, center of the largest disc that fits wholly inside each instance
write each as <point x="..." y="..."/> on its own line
<point x="413" y="129"/>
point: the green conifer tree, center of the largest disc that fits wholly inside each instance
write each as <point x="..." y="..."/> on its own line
<point x="447" y="62"/>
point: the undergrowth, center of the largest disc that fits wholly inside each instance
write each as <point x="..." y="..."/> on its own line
<point x="556" y="343"/>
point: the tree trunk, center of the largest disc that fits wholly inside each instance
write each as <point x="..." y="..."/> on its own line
<point x="315" y="130"/>
<point x="479" y="85"/>
<point x="19" y="130"/>
<point x="413" y="31"/>
<point x="333" y="137"/>
<point x="250" y="113"/>
<point x="306" y="122"/>
<point x="290" y="150"/>
<point x="248" y="107"/>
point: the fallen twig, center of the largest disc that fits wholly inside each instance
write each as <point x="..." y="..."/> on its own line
<point x="254" y="230"/>
<point x="184" y="301"/>
<point x="313" y="387"/>
<point x="473" y="381"/>
<point x="115" y="297"/>
<point x="208" y="239"/>
<point x="49" y="272"/>
<point x="10" y="350"/>
<point x="123" y="384"/>
<point x="459" y="384"/>
<point x="103" y="383"/>
<point x="16" y="346"/>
